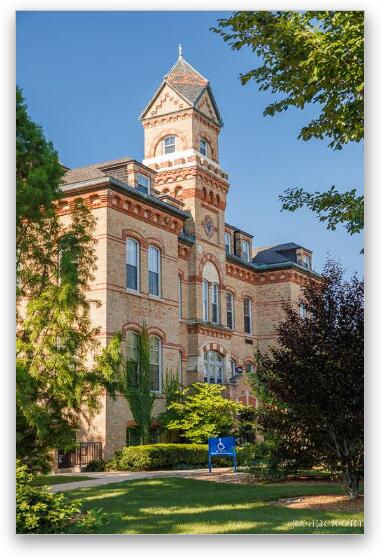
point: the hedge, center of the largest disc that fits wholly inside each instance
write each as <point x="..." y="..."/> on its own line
<point x="163" y="456"/>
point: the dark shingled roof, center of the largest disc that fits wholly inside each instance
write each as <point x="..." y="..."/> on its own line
<point x="91" y="171"/>
<point x="275" y="254"/>
<point x="187" y="81"/>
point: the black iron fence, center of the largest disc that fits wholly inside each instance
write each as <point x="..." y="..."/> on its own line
<point x="84" y="453"/>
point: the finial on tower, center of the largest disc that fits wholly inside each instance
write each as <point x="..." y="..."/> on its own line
<point x="180" y="49"/>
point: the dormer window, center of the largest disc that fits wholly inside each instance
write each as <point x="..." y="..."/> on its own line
<point x="169" y="144"/>
<point x="227" y="242"/>
<point x="245" y="250"/>
<point x="306" y="262"/>
<point x="203" y="147"/>
<point x="143" y="184"/>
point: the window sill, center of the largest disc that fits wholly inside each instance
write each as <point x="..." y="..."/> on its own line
<point x="134" y="292"/>
<point x="154" y="297"/>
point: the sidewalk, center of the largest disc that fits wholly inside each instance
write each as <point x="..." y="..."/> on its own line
<point x="104" y="478"/>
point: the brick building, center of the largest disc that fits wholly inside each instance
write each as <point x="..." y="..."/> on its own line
<point x="167" y="256"/>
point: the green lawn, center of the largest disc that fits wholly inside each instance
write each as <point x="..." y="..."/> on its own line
<point x="180" y="506"/>
<point x="58" y="479"/>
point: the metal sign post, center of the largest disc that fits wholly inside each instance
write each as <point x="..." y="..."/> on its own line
<point x="222" y="446"/>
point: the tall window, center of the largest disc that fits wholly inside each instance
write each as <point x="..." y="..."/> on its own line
<point x="132" y="354"/>
<point x="306" y="262"/>
<point x="132" y="264"/>
<point x="154" y="271"/>
<point x="203" y="147"/>
<point x="227" y="242"/>
<point x="213" y="367"/>
<point x="247" y="316"/>
<point x="180" y="368"/>
<point x="132" y="346"/>
<point x="245" y="250"/>
<point x="143" y="183"/>
<point x="169" y="144"/>
<point x="156" y="363"/>
<point x="232" y="365"/>
<point x="205" y="300"/>
<point x="215" y="303"/>
<point x="229" y="301"/>
<point x="302" y="310"/>
<point x="180" y="298"/>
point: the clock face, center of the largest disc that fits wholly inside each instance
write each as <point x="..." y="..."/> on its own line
<point x="209" y="226"/>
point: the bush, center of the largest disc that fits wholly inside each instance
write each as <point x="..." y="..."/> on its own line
<point x="96" y="466"/>
<point x="268" y="460"/>
<point x="162" y="456"/>
<point x="40" y="512"/>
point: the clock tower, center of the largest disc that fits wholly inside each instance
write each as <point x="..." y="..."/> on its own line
<point x="181" y="125"/>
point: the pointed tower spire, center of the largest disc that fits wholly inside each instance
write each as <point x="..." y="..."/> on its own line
<point x="180" y="50"/>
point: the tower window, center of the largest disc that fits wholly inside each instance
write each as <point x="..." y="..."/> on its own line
<point x="205" y="300"/>
<point x="169" y="144"/>
<point x="203" y="147"/>
<point x="213" y="367"/>
<point x="215" y="303"/>
<point x="143" y="184"/>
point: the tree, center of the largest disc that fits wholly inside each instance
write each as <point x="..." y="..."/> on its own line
<point x="311" y="383"/>
<point x="56" y="385"/>
<point x="202" y="412"/>
<point x="133" y="379"/>
<point x="311" y="57"/>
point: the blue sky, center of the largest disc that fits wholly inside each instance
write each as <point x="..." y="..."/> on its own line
<point x="86" y="77"/>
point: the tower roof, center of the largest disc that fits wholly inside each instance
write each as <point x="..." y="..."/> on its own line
<point x="188" y="83"/>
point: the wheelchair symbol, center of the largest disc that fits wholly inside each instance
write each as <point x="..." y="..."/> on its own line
<point x="220" y="446"/>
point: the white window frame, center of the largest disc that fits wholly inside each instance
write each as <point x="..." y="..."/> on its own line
<point x="156" y="250"/>
<point x="132" y="346"/>
<point x="249" y="314"/>
<point x="306" y="261"/>
<point x="215" y="303"/>
<point x="218" y="366"/>
<point x="230" y="296"/>
<point x="136" y="243"/>
<point x="159" y="361"/>
<point x="205" y="299"/>
<point x="232" y="365"/>
<point x="146" y="184"/>
<point x="228" y="245"/>
<point x="245" y="252"/>
<point x="180" y="298"/>
<point x="170" y="145"/>
<point x="205" y="147"/>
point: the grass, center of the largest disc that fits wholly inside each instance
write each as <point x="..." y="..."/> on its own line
<point x="183" y="506"/>
<point x="58" y="479"/>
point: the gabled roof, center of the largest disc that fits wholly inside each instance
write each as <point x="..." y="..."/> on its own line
<point x="188" y="83"/>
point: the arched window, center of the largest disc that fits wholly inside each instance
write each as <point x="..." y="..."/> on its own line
<point x="169" y="144"/>
<point x="230" y="310"/>
<point x="132" y="346"/>
<point x="156" y="363"/>
<point x="248" y="367"/>
<point x="213" y="367"/>
<point x="132" y="264"/>
<point x="154" y="271"/>
<point x="203" y="147"/>
<point x="232" y="365"/>
<point x="210" y="293"/>
<point x="303" y="312"/>
<point x="247" y="316"/>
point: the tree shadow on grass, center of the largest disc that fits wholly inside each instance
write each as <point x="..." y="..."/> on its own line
<point x="179" y="506"/>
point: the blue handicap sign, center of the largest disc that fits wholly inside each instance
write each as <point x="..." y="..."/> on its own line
<point x="222" y="446"/>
